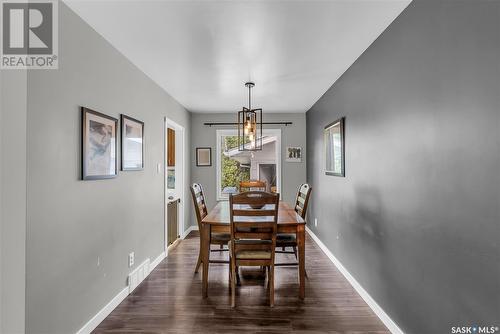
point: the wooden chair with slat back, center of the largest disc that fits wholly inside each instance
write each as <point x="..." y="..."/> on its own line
<point x="200" y="208"/>
<point x="252" y="185"/>
<point x="284" y="240"/>
<point x="254" y="218"/>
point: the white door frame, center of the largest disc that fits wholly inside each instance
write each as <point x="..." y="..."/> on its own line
<point x="234" y="132"/>
<point x="180" y="180"/>
<point x="267" y="163"/>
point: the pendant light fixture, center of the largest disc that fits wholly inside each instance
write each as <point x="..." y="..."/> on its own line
<point x="250" y="125"/>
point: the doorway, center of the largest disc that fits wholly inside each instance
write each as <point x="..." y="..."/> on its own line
<point x="267" y="173"/>
<point x="174" y="182"/>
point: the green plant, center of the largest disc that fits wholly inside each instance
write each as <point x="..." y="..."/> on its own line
<point x="232" y="172"/>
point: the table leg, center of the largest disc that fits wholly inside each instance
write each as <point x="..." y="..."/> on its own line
<point x="301" y="240"/>
<point x="205" y="253"/>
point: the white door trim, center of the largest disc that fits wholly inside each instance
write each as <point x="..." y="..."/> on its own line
<point x="266" y="163"/>
<point x="234" y="132"/>
<point x="180" y="180"/>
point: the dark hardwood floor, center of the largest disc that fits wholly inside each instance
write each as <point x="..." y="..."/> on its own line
<point x="169" y="300"/>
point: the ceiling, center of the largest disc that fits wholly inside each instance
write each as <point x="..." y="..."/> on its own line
<point x="202" y="52"/>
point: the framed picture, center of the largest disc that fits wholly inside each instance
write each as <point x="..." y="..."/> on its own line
<point x="294" y="154"/>
<point x="203" y="156"/>
<point x="335" y="148"/>
<point x="98" y="145"/>
<point x="132" y="132"/>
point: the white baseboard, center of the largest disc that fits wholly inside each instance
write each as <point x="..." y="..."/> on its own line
<point x="103" y="313"/>
<point x="388" y="322"/>
<point x="106" y="310"/>
<point x="157" y="261"/>
<point x="189" y="229"/>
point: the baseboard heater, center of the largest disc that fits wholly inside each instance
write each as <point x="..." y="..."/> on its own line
<point x="138" y="275"/>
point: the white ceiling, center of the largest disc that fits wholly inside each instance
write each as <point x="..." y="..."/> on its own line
<point x="202" y="52"/>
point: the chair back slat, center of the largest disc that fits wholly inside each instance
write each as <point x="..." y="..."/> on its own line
<point x="257" y="246"/>
<point x="253" y="213"/>
<point x="259" y="232"/>
<point x="252" y="185"/>
<point x="251" y="236"/>
<point x="200" y="206"/>
<point x="302" y="200"/>
<point x="253" y="198"/>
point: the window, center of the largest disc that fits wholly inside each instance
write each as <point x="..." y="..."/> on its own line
<point x="233" y="170"/>
<point x="234" y="166"/>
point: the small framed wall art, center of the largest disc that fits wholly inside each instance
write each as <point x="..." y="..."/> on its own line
<point x="98" y="145"/>
<point x="294" y="154"/>
<point x="203" y="156"/>
<point x="335" y="148"/>
<point x="132" y="143"/>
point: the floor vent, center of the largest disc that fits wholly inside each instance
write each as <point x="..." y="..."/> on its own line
<point x="138" y="275"/>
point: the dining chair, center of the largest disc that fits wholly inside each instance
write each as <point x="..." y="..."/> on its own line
<point x="252" y="185"/>
<point x="200" y="208"/>
<point x="254" y="218"/>
<point x="284" y="240"/>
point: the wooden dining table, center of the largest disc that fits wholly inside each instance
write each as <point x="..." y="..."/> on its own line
<point x="218" y="221"/>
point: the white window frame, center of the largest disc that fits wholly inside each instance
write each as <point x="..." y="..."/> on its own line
<point x="231" y="132"/>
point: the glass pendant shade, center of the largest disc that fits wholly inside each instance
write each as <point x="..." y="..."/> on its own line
<point x="250" y="125"/>
<point x="250" y="129"/>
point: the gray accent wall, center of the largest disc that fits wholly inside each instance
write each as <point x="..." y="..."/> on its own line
<point x="70" y="223"/>
<point x="12" y="200"/>
<point x="416" y="220"/>
<point x="292" y="173"/>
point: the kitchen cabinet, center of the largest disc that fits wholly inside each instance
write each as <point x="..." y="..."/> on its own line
<point x="170" y="147"/>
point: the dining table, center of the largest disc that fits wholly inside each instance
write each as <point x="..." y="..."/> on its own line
<point x="218" y="221"/>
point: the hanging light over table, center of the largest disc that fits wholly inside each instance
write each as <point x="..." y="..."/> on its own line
<point x="250" y="125"/>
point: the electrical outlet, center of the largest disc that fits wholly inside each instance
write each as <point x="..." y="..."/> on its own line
<point x="315" y="222"/>
<point x="158" y="168"/>
<point x="98" y="261"/>
<point x="131" y="259"/>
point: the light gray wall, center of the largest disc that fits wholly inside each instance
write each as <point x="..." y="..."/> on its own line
<point x="292" y="173"/>
<point x="72" y="222"/>
<point x="1" y="201"/>
<point x="12" y="200"/>
<point x="416" y="219"/>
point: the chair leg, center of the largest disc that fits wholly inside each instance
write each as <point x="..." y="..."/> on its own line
<point x="283" y="248"/>
<point x="233" y="283"/>
<point x="221" y="246"/>
<point x="268" y="277"/>
<point x="271" y="285"/>
<point x="198" y="264"/>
